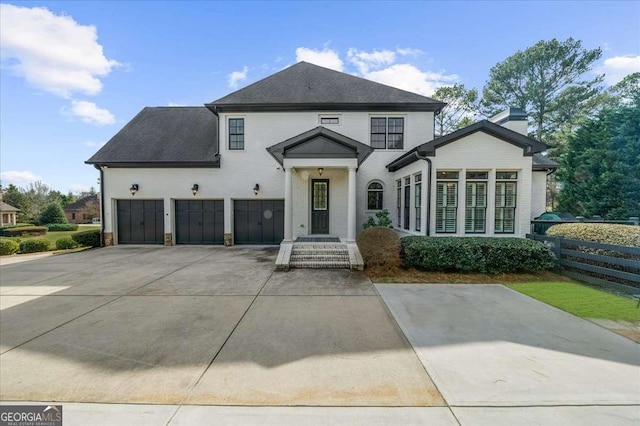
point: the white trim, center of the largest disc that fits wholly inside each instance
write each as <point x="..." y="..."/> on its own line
<point x="320" y="162"/>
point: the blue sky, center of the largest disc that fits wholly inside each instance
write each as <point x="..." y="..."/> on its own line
<point x="74" y="73"/>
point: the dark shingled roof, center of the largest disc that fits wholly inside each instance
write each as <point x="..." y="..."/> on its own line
<point x="164" y="137"/>
<point x="81" y="203"/>
<point x="541" y="162"/>
<point x="529" y="146"/>
<point x="305" y="86"/>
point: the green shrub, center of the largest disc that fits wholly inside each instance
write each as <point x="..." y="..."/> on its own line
<point x="383" y="220"/>
<point x="605" y="233"/>
<point x="476" y="254"/>
<point x="53" y="213"/>
<point x="25" y="231"/>
<point x="35" y="245"/>
<point x="379" y="247"/>
<point x="66" y="243"/>
<point x="57" y="227"/>
<point x="17" y="225"/>
<point x="8" y="246"/>
<point x="87" y="238"/>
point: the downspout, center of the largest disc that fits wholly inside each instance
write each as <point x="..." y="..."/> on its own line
<point x="101" y="204"/>
<point x="425" y="158"/>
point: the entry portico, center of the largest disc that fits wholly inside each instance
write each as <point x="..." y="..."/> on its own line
<point x="320" y="168"/>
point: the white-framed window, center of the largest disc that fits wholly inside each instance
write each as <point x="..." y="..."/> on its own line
<point x="417" y="180"/>
<point x="387" y="132"/>
<point x="375" y="192"/>
<point x="333" y="120"/>
<point x="505" y="205"/>
<point x="446" y="202"/>
<point x="476" y="203"/>
<point x="236" y="133"/>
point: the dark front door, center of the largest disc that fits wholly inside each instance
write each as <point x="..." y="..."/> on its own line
<point x="140" y="221"/>
<point x="199" y="221"/>
<point x="258" y="221"/>
<point x="320" y="206"/>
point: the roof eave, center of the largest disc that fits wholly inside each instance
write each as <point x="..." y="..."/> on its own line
<point x="329" y="106"/>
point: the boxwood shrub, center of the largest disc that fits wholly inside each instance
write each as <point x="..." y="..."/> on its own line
<point x="66" y="243"/>
<point x="8" y="246"/>
<point x="25" y="231"/>
<point x="87" y="238"/>
<point x="476" y="254"/>
<point x="57" y="227"/>
<point x="35" y="245"/>
<point x="605" y="233"/>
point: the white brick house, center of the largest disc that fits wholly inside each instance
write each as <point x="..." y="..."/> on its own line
<point x="311" y="151"/>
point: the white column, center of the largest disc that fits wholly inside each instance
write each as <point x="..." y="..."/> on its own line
<point x="288" y="206"/>
<point x="351" y="206"/>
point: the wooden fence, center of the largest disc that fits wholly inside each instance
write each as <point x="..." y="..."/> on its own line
<point x="615" y="267"/>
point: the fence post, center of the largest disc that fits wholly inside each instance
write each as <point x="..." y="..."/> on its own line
<point x="635" y="220"/>
<point x="557" y="250"/>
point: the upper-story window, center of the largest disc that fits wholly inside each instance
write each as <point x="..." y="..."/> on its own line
<point x="387" y="132"/>
<point x="236" y="133"/>
<point x="330" y="120"/>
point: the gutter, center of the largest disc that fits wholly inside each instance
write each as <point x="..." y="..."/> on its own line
<point x="101" y="204"/>
<point x="429" y="167"/>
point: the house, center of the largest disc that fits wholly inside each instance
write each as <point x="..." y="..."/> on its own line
<point x="311" y="151"/>
<point x="8" y="214"/>
<point x="83" y="210"/>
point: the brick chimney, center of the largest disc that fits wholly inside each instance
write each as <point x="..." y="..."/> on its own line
<point x="512" y="118"/>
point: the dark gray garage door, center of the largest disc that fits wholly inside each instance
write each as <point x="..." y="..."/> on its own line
<point x="199" y="221"/>
<point x="258" y="221"/>
<point x="140" y="221"/>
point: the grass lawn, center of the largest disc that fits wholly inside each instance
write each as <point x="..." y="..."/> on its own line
<point x="55" y="236"/>
<point x="581" y="300"/>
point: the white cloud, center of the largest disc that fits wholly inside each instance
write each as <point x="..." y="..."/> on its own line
<point x="238" y="76"/>
<point x="77" y="188"/>
<point x="90" y="113"/>
<point x="19" y="178"/>
<point x="52" y="52"/>
<point x="173" y="104"/>
<point x="92" y="144"/>
<point x="411" y="78"/>
<point x="409" y="51"/>
<point x="366" y="61"/>
<point x="618" y="67"/>
<point x="325" y="58"/>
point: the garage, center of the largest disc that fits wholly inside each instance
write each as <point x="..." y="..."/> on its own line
<point x="140" y="221"/>
<point x="199" y="221"/>
<point x="258" y="221"/>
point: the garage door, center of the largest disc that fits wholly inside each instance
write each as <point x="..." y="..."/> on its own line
<point x="258" y="221"/>
<point x="199" y="221"/>
<point x="140" y="221"/>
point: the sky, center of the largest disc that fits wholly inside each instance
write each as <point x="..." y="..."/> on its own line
<point x="72" y="74"/>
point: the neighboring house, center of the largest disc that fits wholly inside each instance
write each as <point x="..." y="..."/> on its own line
<point x="310" y="150"/>
<point x="83" y="210"/>
<point x="8" y="214"/>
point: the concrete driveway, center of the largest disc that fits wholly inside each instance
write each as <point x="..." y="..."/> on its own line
<point x="200" y="325"/>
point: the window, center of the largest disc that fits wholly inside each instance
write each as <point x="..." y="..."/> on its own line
<point x="407" y="201"/>
<point x="506" y="192"/>
<point x="418" y="197"/>
<point x="399" y="201"/>
<point x="476" y="203"/>
<point x="387" y="133"/>
<point x="446" y="202"/>
<point x="374" y="196"/>
<point x="236" y="133"/>
<point x="329" y="120"/>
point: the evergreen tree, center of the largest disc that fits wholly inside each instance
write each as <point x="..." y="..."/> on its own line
<point x="53" y="213"/>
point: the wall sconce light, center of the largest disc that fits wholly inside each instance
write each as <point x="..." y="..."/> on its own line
<point x="134" y="188"/>
<point x="194" y="189"/>
<point x="320" y="170"/>
<point x="256" y="189"/>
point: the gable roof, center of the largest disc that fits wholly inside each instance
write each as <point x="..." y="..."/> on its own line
<point x="305" y="86"/>
<point x="164" y="137"/>
<point x="4" y="207"/>
<point x="529" y="146"/>
<point x="320" y="142"/>
<point x="81" y="203"/>
<point x="542" y="162"/>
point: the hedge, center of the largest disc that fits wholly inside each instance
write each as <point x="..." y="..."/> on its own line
<point x="35" y="245"/>
<point x="379" y="246"/>
<point x="66" y="243"/>
<point x="25" y="231"/>
<point x="8" y="246"/>
<point x="476" y="254"/>
<point x="87" y="238"/>
<point x="57" y="227"/>
<point x="605" y="233"/>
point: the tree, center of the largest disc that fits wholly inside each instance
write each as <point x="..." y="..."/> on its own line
<point x="546" y="80"/>
<point x="53" y="213"/>
<point x="600" y="171"/>
<point x="460" y="111"/>
<point x="14" y="197"/>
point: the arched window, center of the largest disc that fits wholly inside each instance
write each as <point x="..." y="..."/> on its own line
<point x="374" y="196"/>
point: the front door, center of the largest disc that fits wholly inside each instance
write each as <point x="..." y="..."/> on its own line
<point x="319" y="206"/>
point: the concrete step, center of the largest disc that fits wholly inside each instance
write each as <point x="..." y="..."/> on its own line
<point x="320" y="264"/>
<point x="320" y="251"/>
<point x="323" y="257"/>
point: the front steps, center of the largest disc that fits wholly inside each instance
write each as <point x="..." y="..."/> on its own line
<point x="319" y="255"/>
